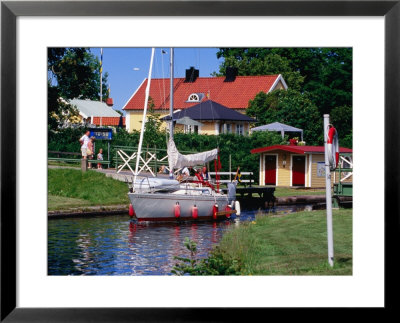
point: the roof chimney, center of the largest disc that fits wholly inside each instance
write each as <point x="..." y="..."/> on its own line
<point x="231" y="73"/>
<point x="191" y="75"/>
<point x="110" y="102"/>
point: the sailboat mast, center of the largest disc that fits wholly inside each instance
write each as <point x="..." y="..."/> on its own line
<point x="146" y="101"/>
<point x="171" y="96"/>
<point x="171" y="104"/>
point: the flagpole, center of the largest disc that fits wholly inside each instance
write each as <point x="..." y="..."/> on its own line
<point x="101" y="74"/>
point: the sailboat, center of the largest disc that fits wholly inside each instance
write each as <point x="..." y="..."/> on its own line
<point x="167" y="199"/>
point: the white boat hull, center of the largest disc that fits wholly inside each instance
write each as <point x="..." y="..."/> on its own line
<point x="161" y="206"/>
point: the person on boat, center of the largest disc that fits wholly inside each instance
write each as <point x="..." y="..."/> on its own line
<point x="185" y="172"/>
<point x="198" y="178"/>
<point x="162" y="170"/>
<point x="204" y="174"/>
<point x="183" y="175"/>
<point x="198" y="175"/>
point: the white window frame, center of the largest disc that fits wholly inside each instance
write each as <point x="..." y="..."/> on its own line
<point x="194" y="97"/>
<point x="240" y="129"/>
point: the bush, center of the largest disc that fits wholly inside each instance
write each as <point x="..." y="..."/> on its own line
<point x="216" y="263"/>
<point x="239" y="147"/>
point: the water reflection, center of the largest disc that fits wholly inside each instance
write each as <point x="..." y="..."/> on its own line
<point x="114" y="245"/>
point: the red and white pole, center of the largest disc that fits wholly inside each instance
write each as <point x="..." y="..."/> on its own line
<point x="328" y="192"/>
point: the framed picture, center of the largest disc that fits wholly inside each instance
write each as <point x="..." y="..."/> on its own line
<point x="191" y="13"/>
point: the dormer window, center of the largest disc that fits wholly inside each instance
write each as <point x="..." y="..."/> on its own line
<point x="195" y="97"/>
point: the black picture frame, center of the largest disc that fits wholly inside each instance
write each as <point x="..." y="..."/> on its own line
<point x="10" y="10"/>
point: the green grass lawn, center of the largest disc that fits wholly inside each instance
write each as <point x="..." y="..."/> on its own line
<point x="288" y="191"/>
<point x="65" y="164"/>
<point x="294" y="244"/>
<point x="73" y="188"/>
<point x="60" y="202"/>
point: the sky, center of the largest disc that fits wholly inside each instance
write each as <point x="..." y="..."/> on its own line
<point x="128" y="67"/>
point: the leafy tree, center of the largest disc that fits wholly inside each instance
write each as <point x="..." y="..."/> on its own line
<point x="268" y="65"/>
<point x="72" y="73"/>
<point x="153" y="135"/>
<point x="289" y="107"/>
<point x="342" y="119"/>
<point x="327" y="72"/>
<point x="326" y="75"/>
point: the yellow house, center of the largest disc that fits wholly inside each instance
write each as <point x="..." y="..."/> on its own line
<point x="211" y="118"/>
<point x="302" y="166"/>
<point x="231" y="91"/>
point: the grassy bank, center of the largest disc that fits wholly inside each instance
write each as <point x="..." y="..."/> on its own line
<point x="68" y="188"/>
<point x="289" y="191"/>
<point x="295" y="244"/>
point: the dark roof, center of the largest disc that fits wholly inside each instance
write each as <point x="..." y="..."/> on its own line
<point x="210" y="110"/>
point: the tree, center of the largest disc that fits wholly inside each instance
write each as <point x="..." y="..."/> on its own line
<point x="289" y="107"/>
<point x="268" y="65"/>
<point x="326" y="77"/>
<point x="342" y="120"/>
<point x="72" y="73"/>
<point x="326" y="72"/>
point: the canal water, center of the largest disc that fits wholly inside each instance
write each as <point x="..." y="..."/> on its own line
<point x="115" y="245"/>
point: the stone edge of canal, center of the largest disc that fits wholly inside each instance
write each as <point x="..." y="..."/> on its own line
<point x="124" y="209"/>
<point x="88" y="211"/>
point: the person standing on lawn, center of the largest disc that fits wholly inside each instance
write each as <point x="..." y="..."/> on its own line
<point x="100" y="157"/>
<point x="90" y="150"/>
<point x="84" y="140"/>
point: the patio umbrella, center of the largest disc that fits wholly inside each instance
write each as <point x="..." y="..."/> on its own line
<point x="189" y="122"/>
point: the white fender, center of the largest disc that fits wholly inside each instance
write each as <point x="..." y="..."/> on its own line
<point x="237" y="208"/>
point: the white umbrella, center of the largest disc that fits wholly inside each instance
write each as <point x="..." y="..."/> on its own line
<point x="188" y="121"/>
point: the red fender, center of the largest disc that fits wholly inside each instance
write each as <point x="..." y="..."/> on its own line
<point x="195" y="212"/>
<point x="131" y="210"/>
<point x="215" y="210"/>
<point x="177" y="210"/>
<point x="228" y="208"/>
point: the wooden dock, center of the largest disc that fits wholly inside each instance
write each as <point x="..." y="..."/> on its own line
<point x="264" y="192"/>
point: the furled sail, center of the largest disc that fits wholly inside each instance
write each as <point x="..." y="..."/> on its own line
<point x="177" y="160"/>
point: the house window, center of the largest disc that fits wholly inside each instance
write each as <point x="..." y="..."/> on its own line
<point x="191" y="129"/>
<point x="228" y="128"/>
<point x="187" y="129"/>
<point x="193" y="98"/>
<point x="239" y="129"/>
